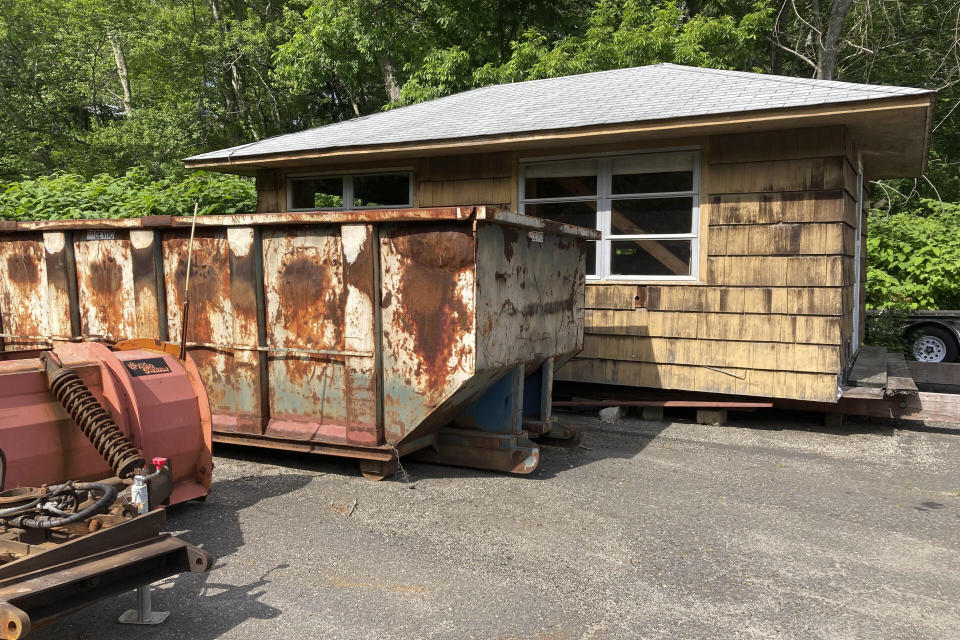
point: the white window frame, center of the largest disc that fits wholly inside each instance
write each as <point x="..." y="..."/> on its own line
<point x="604" y="199"/>
<point x="348" y="188"/>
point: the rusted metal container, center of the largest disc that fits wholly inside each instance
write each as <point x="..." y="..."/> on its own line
<point x="369" y="334"/>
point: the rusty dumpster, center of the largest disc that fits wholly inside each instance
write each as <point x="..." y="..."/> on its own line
<point x="369" y="334"/>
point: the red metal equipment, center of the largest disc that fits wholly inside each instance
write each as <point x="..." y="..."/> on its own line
<point x="156" y="403"/>
<point x="77" y="496"/>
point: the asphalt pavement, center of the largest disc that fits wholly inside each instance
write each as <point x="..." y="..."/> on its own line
<point x="769" y="527"/>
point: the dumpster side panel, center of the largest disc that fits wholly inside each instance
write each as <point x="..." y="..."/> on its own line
<point x="303" y="285"/>
<point x="530" y="295"/>
<point x="429" y="329"/>
<point x="360" y="340"/>
<point x="23" y="290"/>
<point x="105" y="286"/>
<point x="210" y="319"/>
<point x="149" y="303"/>
<point x="246" y="296"/>
<point x="61" y="278"/>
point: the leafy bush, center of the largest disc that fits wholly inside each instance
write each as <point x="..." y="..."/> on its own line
<point x="885" y="329"/>
<point x="70" y="196"/>
<point x="913" y="257"/>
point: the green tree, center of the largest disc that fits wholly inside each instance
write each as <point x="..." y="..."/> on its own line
<point x="905" y="268"/>
<point x="908" y="43"/>
<point x="89" y="86"/>
<point x="354" y="57"/>
<point x="627" y="33"/>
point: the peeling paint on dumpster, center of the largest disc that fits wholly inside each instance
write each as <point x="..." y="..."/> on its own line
<point x="429" y="337"/>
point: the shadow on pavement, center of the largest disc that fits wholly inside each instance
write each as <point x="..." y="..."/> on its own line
<point x="203" y="606"/>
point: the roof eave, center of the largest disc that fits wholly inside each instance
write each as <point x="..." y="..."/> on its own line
<point x="709" y="124"/>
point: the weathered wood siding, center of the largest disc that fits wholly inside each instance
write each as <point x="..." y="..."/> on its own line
<point x="271" y="192"/>
<point x="772" y="312"/>
<point x="485" y="178"/>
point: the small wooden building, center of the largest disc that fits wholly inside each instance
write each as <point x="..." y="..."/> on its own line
<point x="731" y="206"/>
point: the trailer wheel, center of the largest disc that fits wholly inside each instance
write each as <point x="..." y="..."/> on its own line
<point x="932" y="344"/>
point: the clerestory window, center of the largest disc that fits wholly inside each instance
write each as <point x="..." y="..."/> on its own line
<point x="363" y="190"/>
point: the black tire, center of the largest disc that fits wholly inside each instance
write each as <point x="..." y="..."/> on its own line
<point x="932" y="344"/>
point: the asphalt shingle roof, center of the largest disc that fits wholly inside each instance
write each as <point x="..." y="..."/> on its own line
<point x="638" y="94"/>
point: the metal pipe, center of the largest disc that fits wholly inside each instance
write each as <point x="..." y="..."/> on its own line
<point x="186" y="284"/>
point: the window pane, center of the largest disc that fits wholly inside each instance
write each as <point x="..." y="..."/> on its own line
<point x="565" y="187"/>
<point x="651" y="215"/>
<point x="381" y="191"/>
<point x="650" y="257"/>
<point x="653" y="173"/>
<point x="564" y="179"/>
<point x="653" y="182"/>
<point x="317" y="193"/>
<point x="582" y="214"/>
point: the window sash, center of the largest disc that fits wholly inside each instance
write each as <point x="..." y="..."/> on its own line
<point x="604" y="198"/>
<point x="348" y="191"/>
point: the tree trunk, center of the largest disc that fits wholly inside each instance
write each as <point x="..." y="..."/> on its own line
<point x="388" y="69"/>
<point x="353" y="100"/>
<point x="234" y="86"/>
<point x="776" y="53"/>
<point x="122" y="73"/>
<point x="830" y="42"/>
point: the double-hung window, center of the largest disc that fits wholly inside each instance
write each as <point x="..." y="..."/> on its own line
<point x="646" y="205"/>
<point x="363" y="190"/>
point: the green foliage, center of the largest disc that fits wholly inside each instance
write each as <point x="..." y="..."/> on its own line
<point x="200" y="75"/>
<point x="628" y="33"/>
<point x="885" y="329"/>
<point x="443" y="72"/>
<point x="913" y="257"/>
<point x="354" y="57"/>
<point x="70" y="196"/>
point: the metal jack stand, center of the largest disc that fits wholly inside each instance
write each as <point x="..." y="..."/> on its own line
<point x="144" y="613"/>
<point x="139" y="495"/>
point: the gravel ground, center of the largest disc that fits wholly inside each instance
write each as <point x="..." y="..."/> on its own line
<point x="770" y="527"/>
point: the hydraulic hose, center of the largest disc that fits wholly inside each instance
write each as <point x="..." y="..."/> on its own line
<point x="12" y="511"/>
<point x="93" y="419"/>
<point x="3" y="469"/>
<point x="109" y="495"/>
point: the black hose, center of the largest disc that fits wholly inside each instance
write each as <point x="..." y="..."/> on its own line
<point x="3" y="469"/>
<point x="46" y="522"/>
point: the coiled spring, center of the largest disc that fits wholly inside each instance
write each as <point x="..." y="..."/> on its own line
<point x="96" y="423"/>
